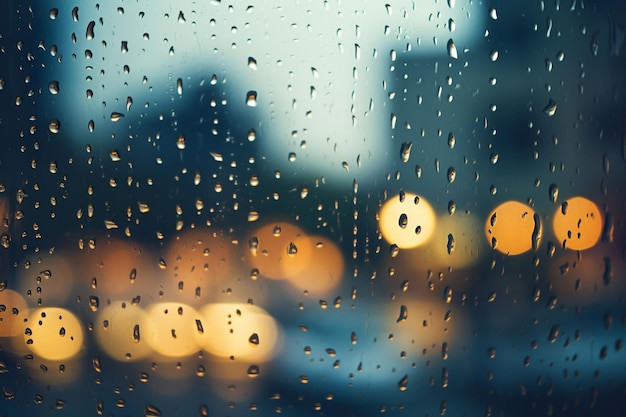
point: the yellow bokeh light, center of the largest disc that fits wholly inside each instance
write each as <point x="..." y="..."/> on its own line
<point x="407" y="220"/>
<point x="578" y="223"/>
<point x="325" y="267"/>
<point x="53" y="333"/>
<point x="119" y="329"/>
<point x="13" y="312"/>
<point x="243" y="331"/>
<point x="172" y="329"/>
<point x="513" y="228"/>
<point x="279" y="250"/>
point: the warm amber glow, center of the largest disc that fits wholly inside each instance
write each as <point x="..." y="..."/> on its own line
<point x="118" y="269"/>
<point x="278" y="250"/>
<point x="46" y="280"/>
<point x="325" y="267"/>
<point x="243" y="331"/>
<point x="171" y="329"/>
<point x="13" y="312"/>
<point x="578" y="223"/>
<point x="408" y="222"/>
<point x="53" y="333"/>
<point x="197" y="258"/>
<point x="513" y="228"/>
<point x="119" y="329"/>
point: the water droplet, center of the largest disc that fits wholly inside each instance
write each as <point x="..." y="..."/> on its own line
<point x="181" y="17"/>
<point x="253" y="371"/>
<point x="95" y="361"/>
<point x="179" y="86"/>
<point x="553" y="193"/>
<point x="451" y="140"/>
<point x="94" y="303"/>
<point x="90" y="30"/>
<point x="252" y="63"/>
<point x="53" y="87"/>
<point x="53" y="13"/>
<point x="292" y="249"/>
<point x="452" y="52"/>
<point x="451" y="207"/>
<point x="403" y="221"/>
<point x="254" y="339"/>
<point x="403" y="384"/>
<point x="451" y="175"/>
<point x="554" y="333"/>
<point x="404" y="314"/>
<point x="493" y="13"/>
<point x="405" y="151"/>
<point x="152" y="411"/>
<point x="550" y="108"/>
<point x="494" y="55"/>
<point x="54" y="126"/>
<point x="251" y="98"/>
<point x="451" y="244"/>
<point x="75" y="14"/>
<point x="116" y="116"/>
<point x="180" y="142"/>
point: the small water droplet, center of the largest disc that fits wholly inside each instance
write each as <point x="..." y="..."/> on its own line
<point x="405" y="151"/>
<point x="404" y="314"/>
<point x="54" y="126"/>
<point x="452" y="52"/>
<point x="553" y="193"/>
<point x="53" y="87"/>
<point x="94" y="303"/>
<point x="254" y="339"/>
<point x="116" y="116"/>
<point x="251" y="98"/>
<point x="253" y="371"/>
<point x="403" y="384"/>
<point x="90" y="30"/>
<point x="451" y="175"/>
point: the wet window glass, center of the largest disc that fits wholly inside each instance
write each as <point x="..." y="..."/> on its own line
<point x="332" y="208"/>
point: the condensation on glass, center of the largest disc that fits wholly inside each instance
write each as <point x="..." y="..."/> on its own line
<point x="312" y="208"/>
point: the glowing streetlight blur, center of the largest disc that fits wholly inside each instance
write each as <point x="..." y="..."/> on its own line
<point x="513" y="228"/>
<point x="578" y="223"/>
<point x="118" y="330"/>
<point x="171" y="329"/>
<point x="407" y="220"/>
<point x="13" y="311"/>
<point x="241" y="331"/>
<point x="53" y="333"/>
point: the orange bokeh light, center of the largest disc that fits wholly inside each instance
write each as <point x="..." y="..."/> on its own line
<point x="578" y="223"/>
<point x="513" y="228"/>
